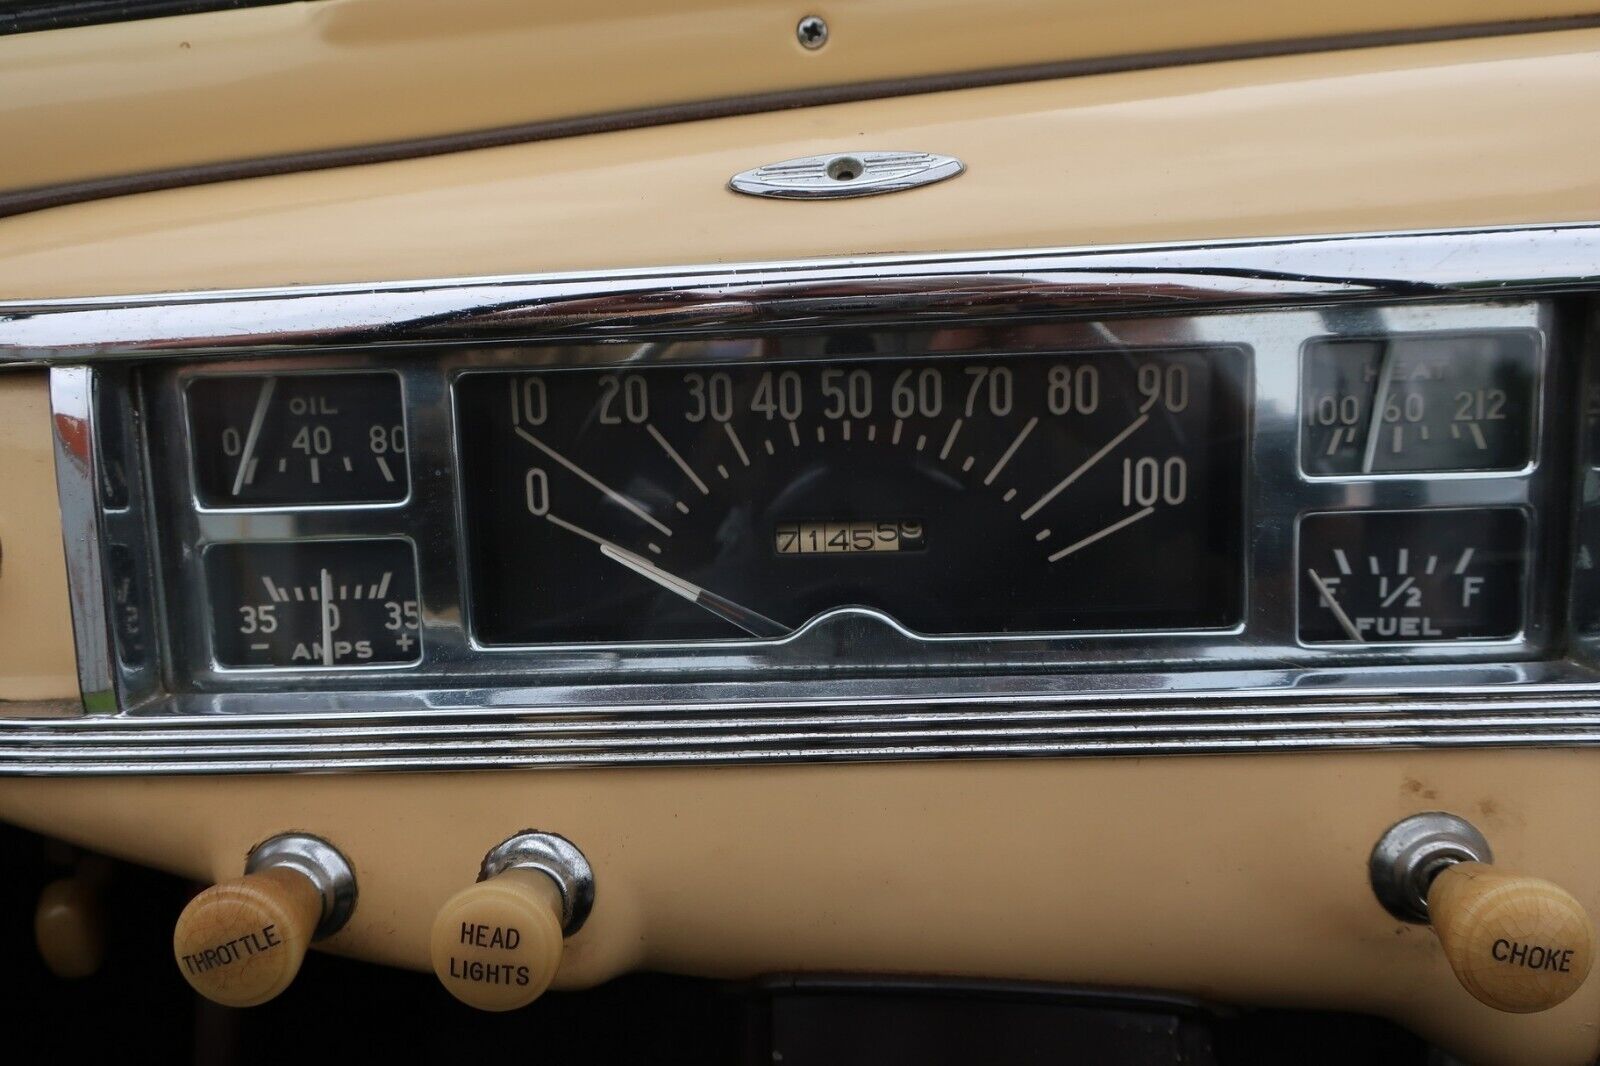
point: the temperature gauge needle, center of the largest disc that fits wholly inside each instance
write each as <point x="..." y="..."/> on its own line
<point x="1338" y="611"/>
<point x="752" y="622"/>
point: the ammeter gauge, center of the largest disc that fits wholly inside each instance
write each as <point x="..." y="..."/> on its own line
<point x="314" y="604"/>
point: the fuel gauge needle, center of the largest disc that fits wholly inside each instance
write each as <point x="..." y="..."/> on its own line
<point x="752" y="622"/>
<point x="1333" y="605"/>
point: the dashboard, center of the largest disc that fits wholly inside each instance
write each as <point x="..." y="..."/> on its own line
<point x="811" y="611"/>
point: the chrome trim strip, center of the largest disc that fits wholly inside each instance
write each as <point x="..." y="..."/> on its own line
<point x="706" y="734"/>
<point x="77" y="486"/>
<point x="652" y="721"/>
<point x="847" y="292"/>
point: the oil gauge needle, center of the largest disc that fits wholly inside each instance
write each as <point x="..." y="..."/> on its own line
<point x="247" y="457"/>
<point x="752" y="622"/>
<point x="1333" y="605"/>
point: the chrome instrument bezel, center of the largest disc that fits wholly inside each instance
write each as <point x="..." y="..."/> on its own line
<point x="1127" y="694"/>
<point x="1277" y="492"/>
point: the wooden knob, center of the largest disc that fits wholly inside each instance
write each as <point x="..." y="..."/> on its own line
<point x="1517" y="943"/>
<point x="497" y="944"/>
<point x="241" y="942"/>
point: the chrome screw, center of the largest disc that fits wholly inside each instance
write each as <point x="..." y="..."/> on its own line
<point x="812" y="32"/>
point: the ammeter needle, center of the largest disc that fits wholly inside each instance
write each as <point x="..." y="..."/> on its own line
<point x="752" y="622"/>
<point x="326" y="595"/>
<point x="1333" y="605"/>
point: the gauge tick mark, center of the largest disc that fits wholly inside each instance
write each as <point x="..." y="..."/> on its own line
<point x="1083" y="467"/>
<point x="1117" y="526"/>
<point x="738" y="445"/>
<point x="949" y="441"/>
<point x="1011" y="449"/>
<point x="604" y="489"/>
<point x="672" y="453"/>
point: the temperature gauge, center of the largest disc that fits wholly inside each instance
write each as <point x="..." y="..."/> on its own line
<point x="1419" y="403"/>
<point x="298" y="439"/>
<point x="314" y="604"/>
<point x="1411" y="576"/>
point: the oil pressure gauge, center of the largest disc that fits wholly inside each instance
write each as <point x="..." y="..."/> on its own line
<point x="1412" y="576"/>
<point x="298" y="439"/>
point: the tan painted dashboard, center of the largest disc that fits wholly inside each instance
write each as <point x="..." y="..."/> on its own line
<point x="1238" y="878"/>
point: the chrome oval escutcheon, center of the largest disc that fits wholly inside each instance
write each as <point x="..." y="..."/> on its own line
<point x="843" y="175"/>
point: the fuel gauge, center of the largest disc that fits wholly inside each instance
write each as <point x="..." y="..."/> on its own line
<point x="1412" y="576"/>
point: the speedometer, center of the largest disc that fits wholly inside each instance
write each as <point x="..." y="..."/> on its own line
<point x="1096" y="491"/>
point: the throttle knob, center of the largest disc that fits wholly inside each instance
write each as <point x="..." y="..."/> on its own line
<point x="1516" y="943"/>
<point x="497" y="944"/>
<point x="1519" y="944"/>
<point x="241" y="942"/>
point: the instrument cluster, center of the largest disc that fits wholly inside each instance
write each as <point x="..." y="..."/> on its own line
<point x="1295" y="487"/>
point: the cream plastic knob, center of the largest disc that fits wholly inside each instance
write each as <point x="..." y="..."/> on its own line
<point x="241" y="942"/>
<point x="1518" y="944"/>
<point x="69" y="927"/>
<point x="497" y="944"/>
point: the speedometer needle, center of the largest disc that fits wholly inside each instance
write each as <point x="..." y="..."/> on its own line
<point x="752" y="622"/>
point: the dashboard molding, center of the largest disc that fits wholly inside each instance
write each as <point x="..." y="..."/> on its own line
<point x="132" y="727"/>
<point x="1547" y="713"/>
<point x="1485" y="263"/>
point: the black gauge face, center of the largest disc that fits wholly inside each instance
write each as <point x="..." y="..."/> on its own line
<point x="1414" y="404"/>
<point x="1091" y="491"/>
<point x="298" y="439"/>
<point x="1410" y="577"/>
<point x="314" y="604"/>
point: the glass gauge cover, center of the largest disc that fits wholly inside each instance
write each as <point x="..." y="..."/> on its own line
<point x="1412" y="576"/>
<point x="314" y="604"/>
<point x="1418" y="404"/>
<point x="298" y="439"/>
<point x="1025" y="494"/>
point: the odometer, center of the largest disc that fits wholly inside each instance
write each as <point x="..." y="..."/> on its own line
<point x="1025" y="494"/>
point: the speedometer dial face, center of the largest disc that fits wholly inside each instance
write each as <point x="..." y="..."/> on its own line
<point x="1029" y="494"/>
